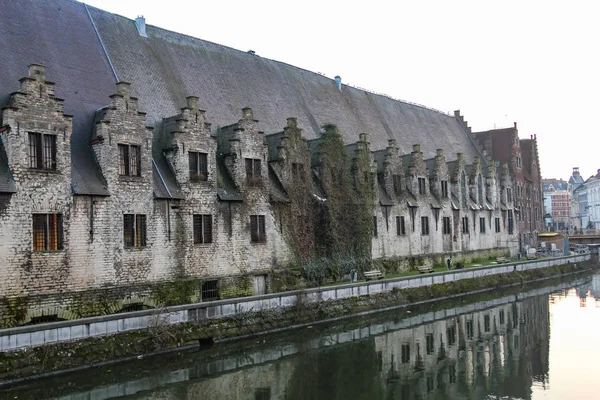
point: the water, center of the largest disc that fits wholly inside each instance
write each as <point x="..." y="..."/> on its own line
<point x="537" y="344"/>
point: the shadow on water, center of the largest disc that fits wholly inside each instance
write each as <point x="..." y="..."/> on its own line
<point x="492" y="343"/>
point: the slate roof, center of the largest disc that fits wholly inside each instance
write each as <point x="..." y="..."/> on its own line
<point x="226" y="80"/>
<point x="166" y="67"/>
<point x="60" y="35"/>
<point x="7" y="184"/>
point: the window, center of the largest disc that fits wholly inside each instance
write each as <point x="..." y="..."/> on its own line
<point x="422" y="189"/>
<point x="511" y="222"/>
<point x="446" y="228"/>
<point x="509" y="195"/>
<point x="465" y="225"/>
<point x="470" y="329"/>
<point x="444" y="189"/>
<point x="202" y="229"/>
<point x="47" y="232"/>
<point x="429" y="347"/>
<point x="42" y="151"/>
<point x="253" y="171"/>
<point x="198" y="166"/>
<point x="130" y="160"/>
<point x="480" y="189"/>
<point x="501" y="317"/>
<point x="486" y="323"/>
<point x="257" y="229"/>
<point x="297" y="171"/>
<point x="397" y="184"/>
<point x="210" y="290"/>
<point x="424" y="225"/>
<point x="405" y="354"/>
<point x="518" y="162"/>
<point x="400" y="227"/>
<point x="463" y="188"/>
<point x="375" y="226"/>
<point x="451" y="335"/>
<point x="134" y="230"/>
<point x="482" y="225"/>
<point x="262" y="394"/>
<point x="497" y="223"/>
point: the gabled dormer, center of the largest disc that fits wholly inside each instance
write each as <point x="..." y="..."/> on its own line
<point x="192" y="151"/>
<point x="491" y="184"/>
<point x="439" y="177"/>
<point x="243" y="151"/>
<point x="289" y="157"/>
<point x="392" y="171"/>
<point x="123" y="143"/>
<point x="477" y="183"/>
<point x="36" y="133"/>
<point x="417" y="177"/>
<point x="363" y="167"/>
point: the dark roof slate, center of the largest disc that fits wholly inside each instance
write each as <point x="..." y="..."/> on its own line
<point x="60" y="35"/>
<point x="227" y="80"/>
<point x="7" y="183"/>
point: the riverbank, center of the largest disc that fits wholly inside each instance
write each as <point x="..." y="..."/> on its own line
<point x="226" y="321"/>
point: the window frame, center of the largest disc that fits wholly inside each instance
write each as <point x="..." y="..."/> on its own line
<point x="42" y="151"/>
<point x="130" y="159"/>
<point x="422" y="186"/>
<point x="446" y="226"/>
<point x="202" y="227"/>
<point x="400" y="226"/>
<point x="481" y="224"/>
<point x="444" y="187"/>
<point x="497" y="224"/>
<point x="198" y="166"/>
<point x="51" y="239"/>
<point x="258" y="231"/>
<point x="253" y="169"/>
<point x="137" y="230"/>
<point x="465" y="225"/>
<point x="424" y="226"/>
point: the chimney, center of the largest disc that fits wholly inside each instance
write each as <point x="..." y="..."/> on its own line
<point x="515" y="125"/>
<point x="392" y="143"/>
<point x="140" y="24"/>
<point x="338" y="82"/>
<point x="37" y="71"/>
<point x="247" y="113"/>
<point x="439" y="152"/>
<point x="416" y="148"/>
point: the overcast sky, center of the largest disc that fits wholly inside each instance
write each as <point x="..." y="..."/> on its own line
<point x="531" y="62"/>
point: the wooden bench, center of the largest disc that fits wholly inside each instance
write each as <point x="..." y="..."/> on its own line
<point x="373" y="274"/>
<point x="501" y="260"/>
<point x="425" y="268"/>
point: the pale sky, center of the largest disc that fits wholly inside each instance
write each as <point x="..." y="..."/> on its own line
<point x="533" y="62"/>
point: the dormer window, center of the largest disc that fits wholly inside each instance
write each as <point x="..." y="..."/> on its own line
<point x="297" y="171"/>
<point x="253" y="171"/>
<point x="130" y="160"/>
<point x="518" y="162"/>
<point x="444" y="185"/>
<point x="422" y="189"/>
<point x="198" y="166"/>
<point x="42" y="151"/>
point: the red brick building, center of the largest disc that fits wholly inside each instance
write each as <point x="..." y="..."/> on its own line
<point x="521" y="155"/>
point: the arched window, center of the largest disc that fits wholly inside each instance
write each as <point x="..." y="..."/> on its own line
<point x="463" y="188"/>
<point x="480" y="189"/>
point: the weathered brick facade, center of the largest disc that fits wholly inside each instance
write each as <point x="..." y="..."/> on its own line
<point x="99" y="208"/>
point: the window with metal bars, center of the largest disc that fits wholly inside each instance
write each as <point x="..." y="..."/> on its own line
<point x="482" y="225"/>
<point x="42" y="151"/>
<point x="210" y="290"/>
<point x="253" y="171"/>
<point x="486" y="323"/>
<point x="400" y="226"/>
<point x="465" y="225"/>
<point x="446" y="227"/>
<point x="511" y="222"/>
<point x="47" y="232"/>
<point x="134" y="230"/>
<point x="422" y="188"/>
<point x="470" y="331"/>
<point x="198" y="166"/>
<point x="130" y="160"/>
<point x="444" y="185"/>
<point x="257" y="229"/>
<point x="202" y="229"/>
<point x="424" y="226"/>
<point x="497" y="224"/>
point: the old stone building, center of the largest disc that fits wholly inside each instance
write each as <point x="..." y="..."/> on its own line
<point x="127" y="183"/>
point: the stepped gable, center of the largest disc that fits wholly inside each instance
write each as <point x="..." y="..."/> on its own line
<point x="59" y="35"/>
<point x="7" y="183"/>
<point x="164" y="67"/>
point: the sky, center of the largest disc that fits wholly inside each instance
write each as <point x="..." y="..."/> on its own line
<point x="531" y="62"/>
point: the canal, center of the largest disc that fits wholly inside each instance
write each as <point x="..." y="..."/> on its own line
<point x="539" y="343"/>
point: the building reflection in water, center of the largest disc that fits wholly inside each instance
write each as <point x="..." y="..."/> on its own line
<point x="497" y="349"/>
